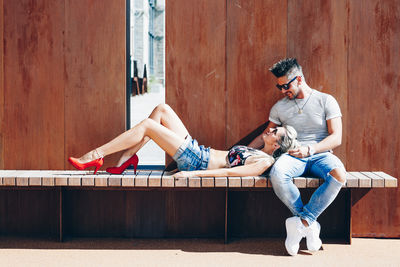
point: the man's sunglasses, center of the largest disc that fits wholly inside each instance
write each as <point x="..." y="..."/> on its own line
<point x="286" y="86"/>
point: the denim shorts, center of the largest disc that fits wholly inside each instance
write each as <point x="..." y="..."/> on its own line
<point x="190" y="156"/>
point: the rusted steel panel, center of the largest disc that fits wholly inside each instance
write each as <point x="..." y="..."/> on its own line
<point x="94" y="75"/>
<point x="373" y="134"/>
<point x="33" y="84"/>
<point x="317" y="37"/>
<point x="256" y="38"/>
<point x="195" y="67"/>
<point x="1" y="86"/>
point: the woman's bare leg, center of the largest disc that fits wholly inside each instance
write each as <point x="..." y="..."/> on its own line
<point x="164" y="115"/>
<point x="168" y="140"/>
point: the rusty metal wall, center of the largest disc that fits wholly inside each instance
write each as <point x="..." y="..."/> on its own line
<point x="347" y="48"/>
<point x="196" y="67"/>
<point x="33" y="85"/>
<point x="62" y="79"/>
<point x="373" y="137"/>
<point x="95" y="75"/>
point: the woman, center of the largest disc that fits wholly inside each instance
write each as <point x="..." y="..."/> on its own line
<point x="167" y="130"/>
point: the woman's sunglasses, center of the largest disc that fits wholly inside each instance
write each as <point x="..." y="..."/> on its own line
<point x="285" y="86"/>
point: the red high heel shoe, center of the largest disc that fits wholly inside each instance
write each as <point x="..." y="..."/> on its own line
<point x="97" y="163"/>
<point x="134" y="160"/>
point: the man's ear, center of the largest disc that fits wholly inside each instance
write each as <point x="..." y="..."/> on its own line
<point x="299" y="80"/>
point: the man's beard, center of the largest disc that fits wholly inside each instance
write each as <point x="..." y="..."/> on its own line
<point x="294" y="96"/>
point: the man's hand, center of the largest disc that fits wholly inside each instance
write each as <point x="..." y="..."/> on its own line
<point x="300" y="152"/>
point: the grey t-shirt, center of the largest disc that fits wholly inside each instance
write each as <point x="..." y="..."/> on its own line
<point x="311" y="124"/>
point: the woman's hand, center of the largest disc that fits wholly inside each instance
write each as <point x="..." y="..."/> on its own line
<point x="301" y="152"/>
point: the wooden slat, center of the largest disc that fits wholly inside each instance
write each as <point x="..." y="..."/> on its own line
<point x="181" y="182"/>
<point x="167" y="180"/>
<point x="194" y="182"/>
<point x="47" y="179"/>
<point x="142" y="178"/>
<point x="376" y="180"/>
<point x="312" y="182"/>
<point x="35" y="178"/>
<point x="7" y="174"/>
<point x="75" y="179"/>
<point x="300" y="182"/>
<point x="128" y="179"/>
<point x="9" y="181"/>
<point x="390" y="181"/>
<point x="88" y="180"/>
<point x="260" y="181"/>
<point x="364" y="182"/>
<point x="61" y="177"/>
<point x="155" y="179"/>
<point x="207" y="182"/>
<point x="234" y="182"/>
<point x="115" y="180"/>
<point x="351" y="181"/>
<point x="21" y="179"/>
<point x="248" y="181"/>
<point x="101" y="179"/>
<point x="221" y="181"/>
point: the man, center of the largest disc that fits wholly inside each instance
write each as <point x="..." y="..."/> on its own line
<point x="317" y="118"/>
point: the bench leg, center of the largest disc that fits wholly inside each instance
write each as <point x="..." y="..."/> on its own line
<point x="60" y="215"/>
<point x="226" y="216"/>
<point x="349" y="231"/>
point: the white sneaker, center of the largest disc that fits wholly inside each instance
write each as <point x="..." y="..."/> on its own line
<point x="295" y="231"/>
<point x="314" y="243"/>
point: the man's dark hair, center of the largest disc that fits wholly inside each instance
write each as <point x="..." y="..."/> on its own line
<point x="282" y="67"/>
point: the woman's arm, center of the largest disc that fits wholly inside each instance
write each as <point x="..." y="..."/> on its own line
<point x="252" y="169"/>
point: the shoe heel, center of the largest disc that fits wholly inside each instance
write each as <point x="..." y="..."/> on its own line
<point x="134" y="168"/>
<point x="135" y="163"/>
<point x="97" y="168"/>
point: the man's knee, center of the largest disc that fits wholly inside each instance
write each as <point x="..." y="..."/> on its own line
<point x="339" y="174"/>
<point x="278" y="175"/>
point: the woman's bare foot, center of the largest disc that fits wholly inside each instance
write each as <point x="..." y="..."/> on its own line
<point x="124" y="158"/>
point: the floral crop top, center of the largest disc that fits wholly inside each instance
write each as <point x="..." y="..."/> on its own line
<point x="241" y="155"/>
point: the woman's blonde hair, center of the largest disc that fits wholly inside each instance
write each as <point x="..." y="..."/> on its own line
<point x="287" y="142"/>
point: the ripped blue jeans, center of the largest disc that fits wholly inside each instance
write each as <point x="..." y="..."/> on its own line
<point x="318" y="165"/>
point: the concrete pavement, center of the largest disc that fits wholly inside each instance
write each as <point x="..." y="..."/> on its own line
<point x="192" y="252"/>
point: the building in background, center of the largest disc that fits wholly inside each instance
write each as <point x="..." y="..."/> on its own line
<point x="148" y="39"/>
<point x="148" y="68"/>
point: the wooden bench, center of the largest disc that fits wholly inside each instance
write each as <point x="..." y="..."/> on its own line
<point x="233" y="192"/>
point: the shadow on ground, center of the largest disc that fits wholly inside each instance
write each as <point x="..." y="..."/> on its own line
<point x="273" y="247"/>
